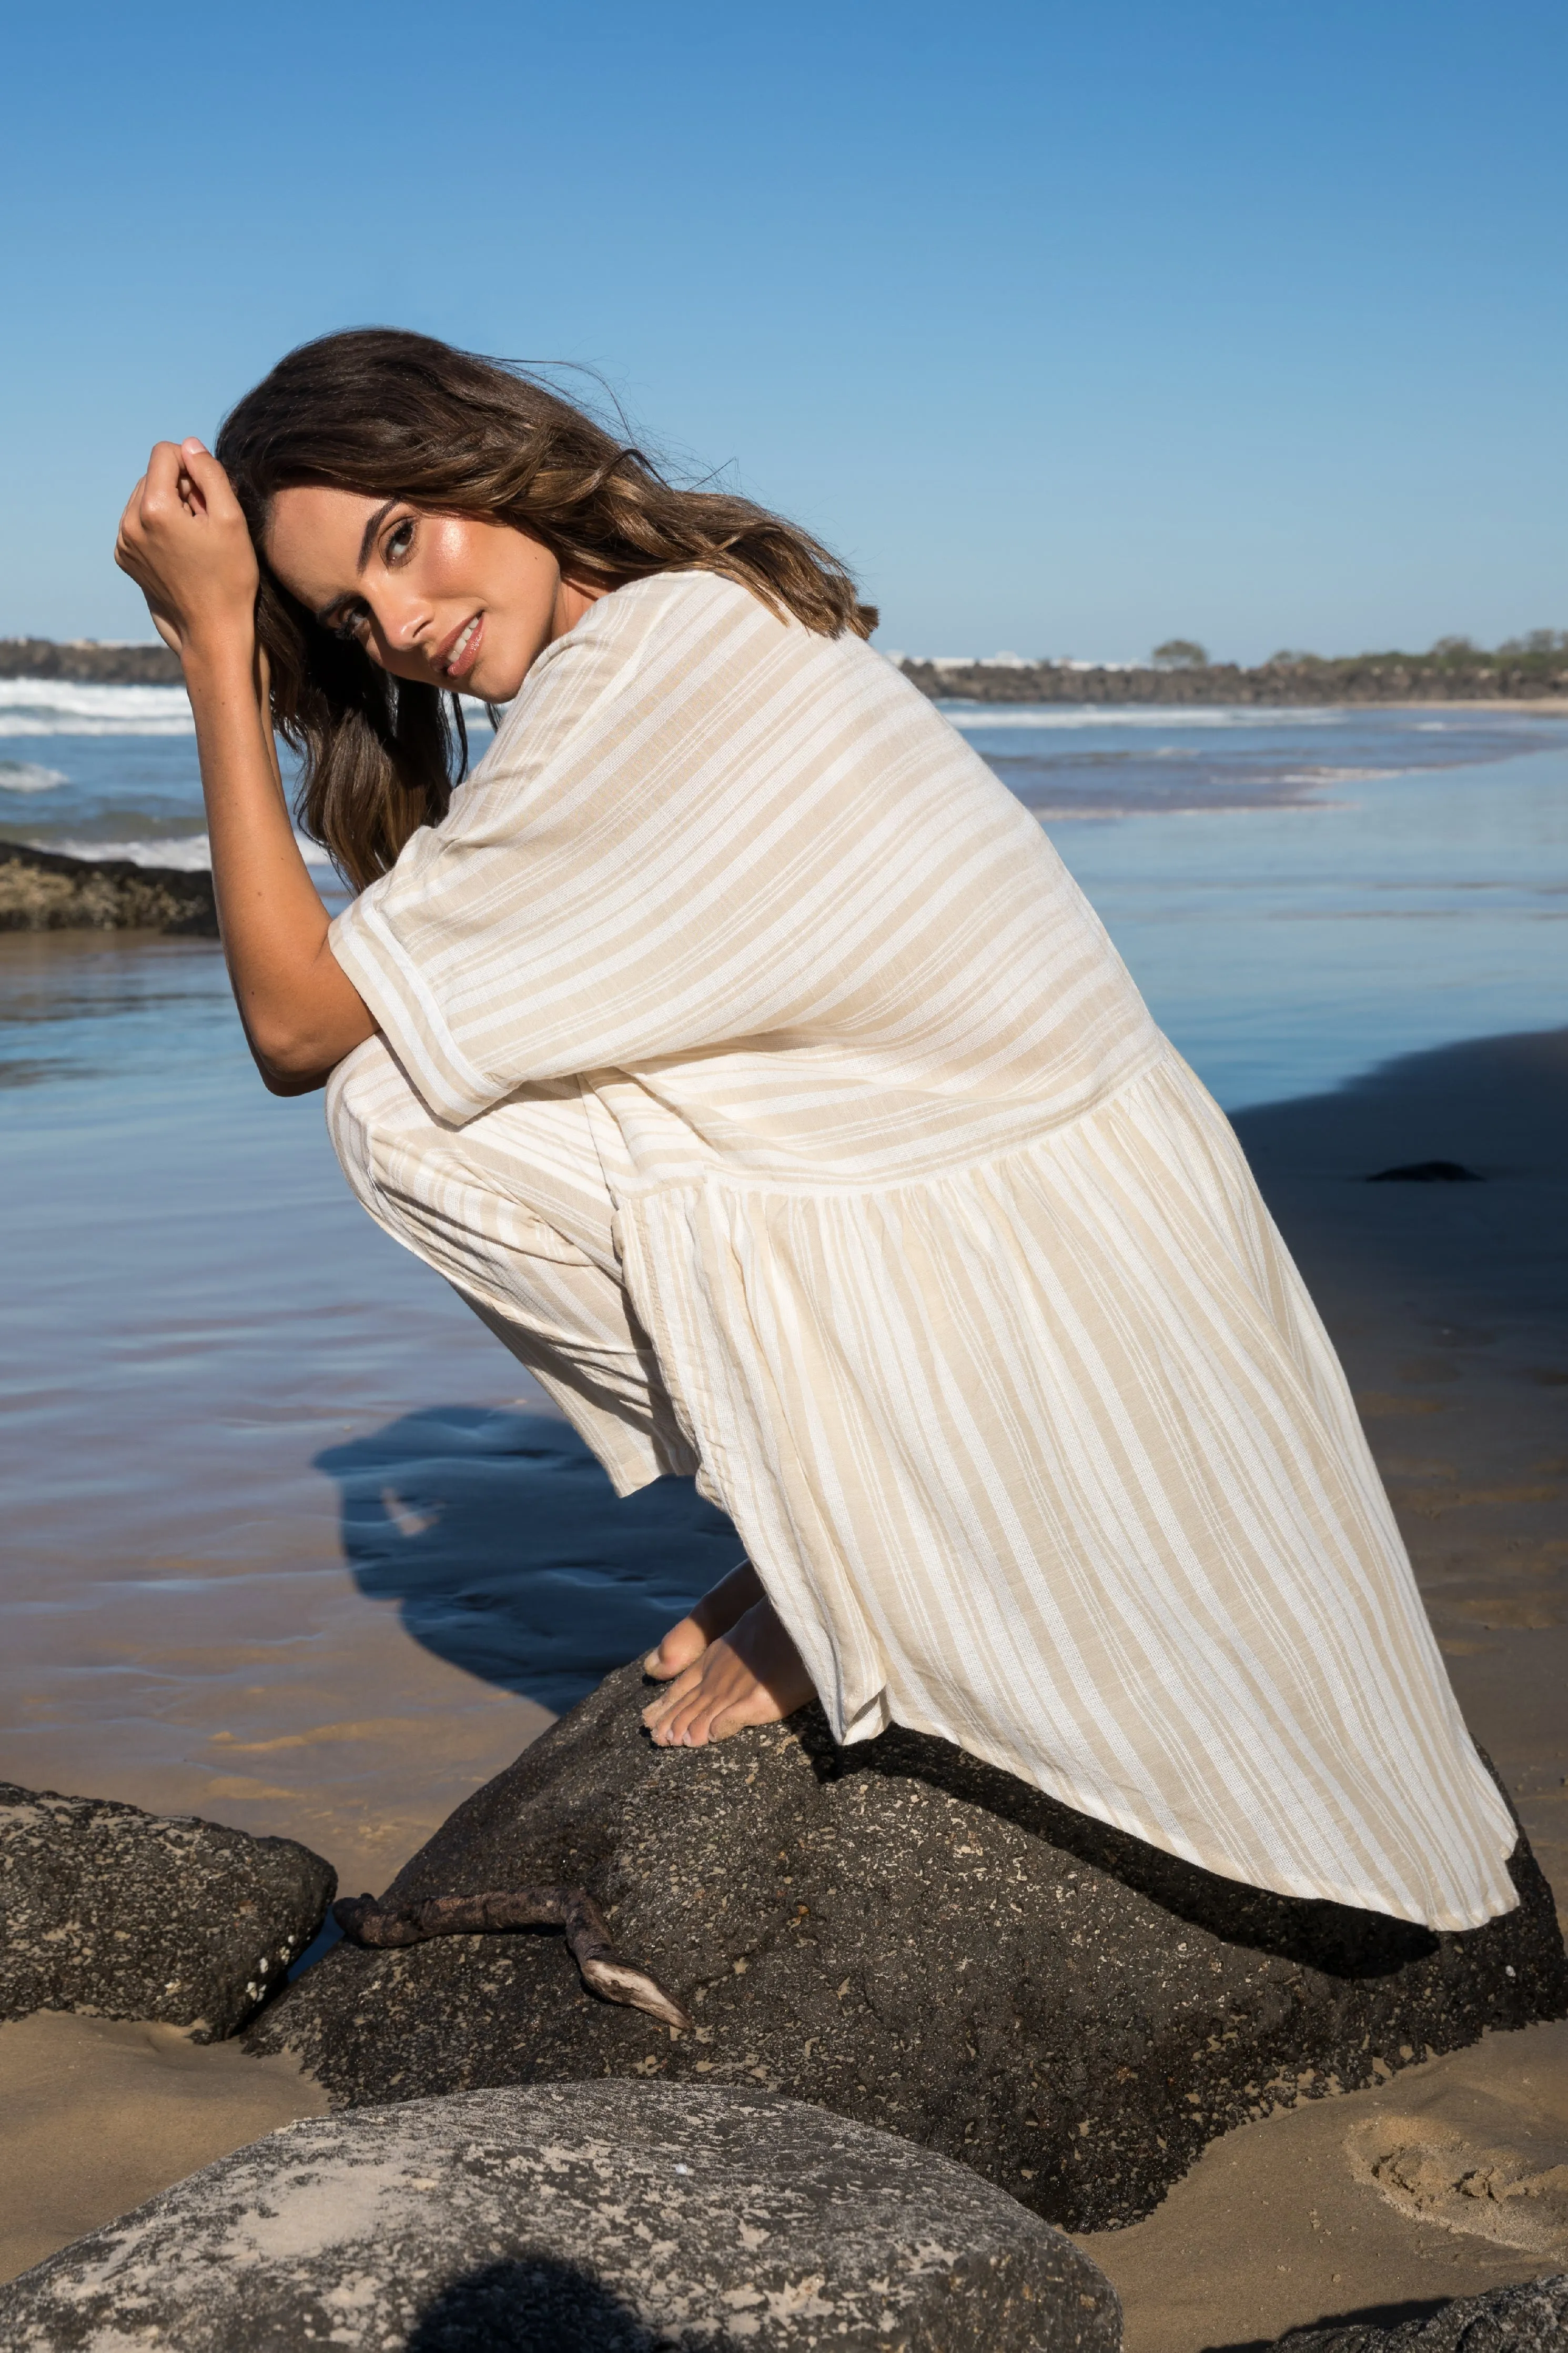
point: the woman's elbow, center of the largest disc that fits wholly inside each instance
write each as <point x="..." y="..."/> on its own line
<point x="297" y="1048"/>
<point x="290" y="1061"/>
<point x="279" y="1081"/>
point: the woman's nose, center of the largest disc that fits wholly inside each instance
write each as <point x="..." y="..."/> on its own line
<point x="404" y="620"/>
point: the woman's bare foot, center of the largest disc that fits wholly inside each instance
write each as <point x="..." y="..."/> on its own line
<point x="714" y="1615"/>
<point x="752" y="1675"/>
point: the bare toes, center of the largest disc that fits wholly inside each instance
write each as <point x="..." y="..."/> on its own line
<point x="718" y="1610"/>
<point x="680" y="1648"/>
<point x="681" y="1688"/>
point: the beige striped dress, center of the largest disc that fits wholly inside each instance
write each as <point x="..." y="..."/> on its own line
<point x="748" y="1060"/>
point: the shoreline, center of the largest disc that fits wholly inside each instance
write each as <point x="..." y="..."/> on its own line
<point x="297" y="1545"/>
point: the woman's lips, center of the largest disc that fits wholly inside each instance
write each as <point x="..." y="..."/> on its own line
<point x="466" y="646"/>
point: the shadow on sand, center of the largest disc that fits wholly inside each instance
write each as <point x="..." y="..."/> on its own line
<point x="509" y="1551"/>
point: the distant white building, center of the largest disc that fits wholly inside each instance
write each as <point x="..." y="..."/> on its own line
<point x="970" y="662"/>
<point x="1008" y="661"/>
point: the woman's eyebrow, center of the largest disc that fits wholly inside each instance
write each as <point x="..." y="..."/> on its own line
<point x="367" y="537"/>
<point x="367" y="541"/>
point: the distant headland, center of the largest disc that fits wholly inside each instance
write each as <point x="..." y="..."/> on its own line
<point x="1532" y="668"/>
<point x="1525" y="669"/>
<point x="84" y="662"/>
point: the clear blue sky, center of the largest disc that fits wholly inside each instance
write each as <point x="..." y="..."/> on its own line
<point x="1072" y="327"/>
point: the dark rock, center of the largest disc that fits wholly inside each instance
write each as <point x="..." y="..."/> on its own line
<point x="43" y="890"/>
<point x="126" y="1915"/>
<point x="1427" y="1172"/>
<point x="1289" y="681"/>
<point x="1529" y="2320"/>
<point x="617" y="2217"/>
<point x="908" y="1937"/>
<point x="86" y="660"/>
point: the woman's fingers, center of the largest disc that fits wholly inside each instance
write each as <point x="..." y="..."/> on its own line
<point x="210" y="479"/>
<point x="160" y="482"/>
<point x="173" y="469"/>
<point x="133" y="507"/>
<point x="196" y="581"/>
<point x="128" y="539"/>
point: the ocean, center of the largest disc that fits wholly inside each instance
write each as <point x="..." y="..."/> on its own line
<point x="283" y="1522"/>
<point x="1299" y="895"/>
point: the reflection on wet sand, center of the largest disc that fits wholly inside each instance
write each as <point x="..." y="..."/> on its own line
<point x="231" y="1481"/>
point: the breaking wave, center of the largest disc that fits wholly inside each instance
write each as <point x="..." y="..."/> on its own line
<point x="190" y="853"/>
<point x="27" y="776"/>
<point x="59" y="706"/>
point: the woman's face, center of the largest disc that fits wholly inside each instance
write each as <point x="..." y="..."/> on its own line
<point x="451" y="600"/>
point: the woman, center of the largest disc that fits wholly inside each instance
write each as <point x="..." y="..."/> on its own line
<point x="744" y="1054"/>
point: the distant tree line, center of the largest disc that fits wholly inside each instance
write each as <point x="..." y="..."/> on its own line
<point x="1523" y="670"/>
<point x="1541" y="650"/>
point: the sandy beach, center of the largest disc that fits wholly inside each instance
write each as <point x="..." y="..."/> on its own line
<point x="746" y="626"/>
<point x="1449" y="1303"/>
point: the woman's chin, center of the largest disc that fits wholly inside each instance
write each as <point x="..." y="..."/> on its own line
<point x="492" y="681"/>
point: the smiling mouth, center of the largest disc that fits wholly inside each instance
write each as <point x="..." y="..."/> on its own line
<point x="464" y="651"/>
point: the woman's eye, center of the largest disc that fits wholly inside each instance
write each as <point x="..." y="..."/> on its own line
<point x="349" y="630"/>
<point x="400" y="539"/>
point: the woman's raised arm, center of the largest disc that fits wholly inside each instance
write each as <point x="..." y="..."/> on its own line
<point x="184" y="541"/>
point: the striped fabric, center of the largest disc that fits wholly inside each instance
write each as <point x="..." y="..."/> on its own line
<point x="751" y="1062"/>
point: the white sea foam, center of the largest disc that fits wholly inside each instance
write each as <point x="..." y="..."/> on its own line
<point x="57" y="706"/>
<point x="190" y="852"/>
<point x="1092" y="812"/>
<point x="1337" y="775"/>
<point x="985" y="715"/>
<point x="27" y="776"/>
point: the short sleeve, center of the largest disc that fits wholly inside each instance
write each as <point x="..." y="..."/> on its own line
<point x="612" y="885"/>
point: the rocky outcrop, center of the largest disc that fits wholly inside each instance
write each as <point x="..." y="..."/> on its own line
<point x="125" y="1914"/>
<point x="626" y="2217"/>
<point x="84" y="662"/>
<point x="1285" y="684"/>
<point x="42" y="890"/>
<point x="908" y="1938"/>
<point x="1532" y="2318"/>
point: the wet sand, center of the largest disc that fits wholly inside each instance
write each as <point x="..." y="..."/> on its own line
<point x="290" y="1542"/>
<point x="268" y="1680"/>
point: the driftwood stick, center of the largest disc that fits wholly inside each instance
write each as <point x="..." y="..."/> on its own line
<point x="363" y="1921"/>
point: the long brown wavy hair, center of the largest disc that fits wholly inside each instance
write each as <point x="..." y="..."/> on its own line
<point x="392" y="414"/>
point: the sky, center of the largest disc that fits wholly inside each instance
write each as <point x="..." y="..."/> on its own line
<point x="1072" y="327"/>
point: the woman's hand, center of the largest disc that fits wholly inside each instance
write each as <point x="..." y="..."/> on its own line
<point x="184" y="541"/>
